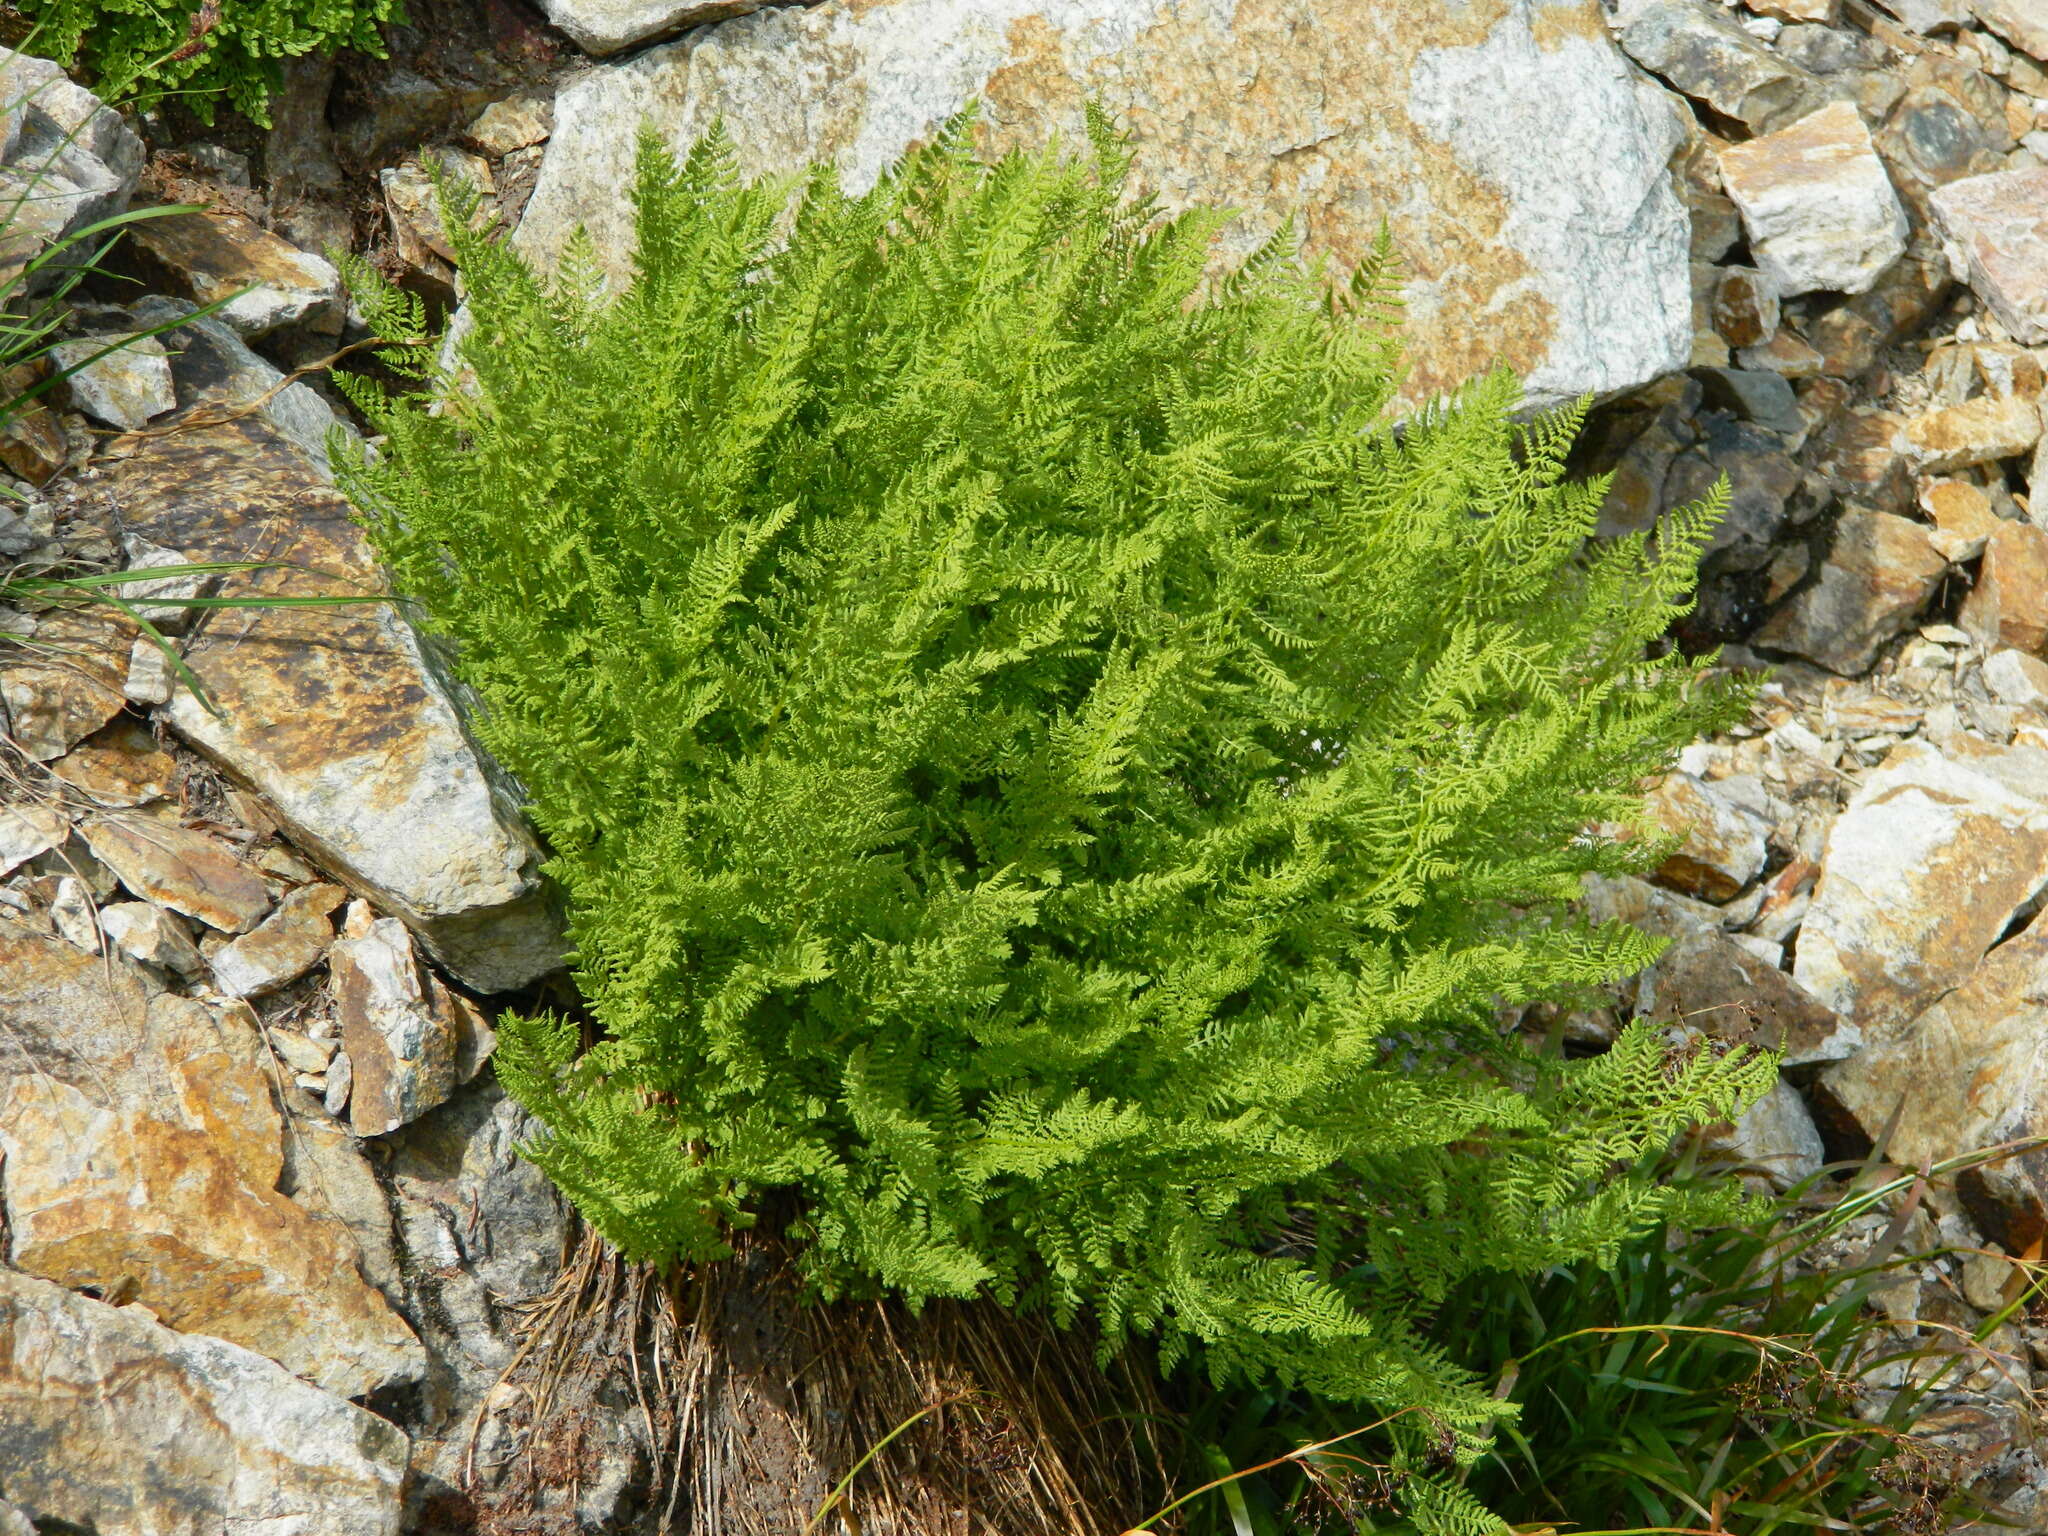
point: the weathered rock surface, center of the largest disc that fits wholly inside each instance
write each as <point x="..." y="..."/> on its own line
<point x="142" y="1153"/>
<point x="1820" y="210"/>
<point x="1724" y="825"/>
<point x="2020" y="22"/>
<point x="66" y="161"/>
<point x="69" y="690"/>
<point x="113" y="1423"/>
<point x="331" y="713"/>
<point x="1777" y="1136"/>
<point x="222" y="253"/>
<point x="127" y="387"/>
<point x="1880" y="572"/>
<point x="606" y="26"/>
<point x="409" y="1040"/>
<point x="119" y="765"/>
<point x="1968" y="1073"/>
<point x="2017" y="678"/>
<point x="1995" y="231"/>
<point x="1571" y="268"/>
<point x="1964" y="519"/>
<point x="1922" y="873"/>
<point x="1703" y="53"/>
<point x="1712" y="983"/>
<point x="146" y="932"/>
<point x="212" y="366"/>
<point x="1979" y="431"/>
<point x="280" y="949"/>
<point x="480" y="1226"/>
<point x="27" y="830"/>
<point x="2009" y="604"/>
<point x="187" y="870"/>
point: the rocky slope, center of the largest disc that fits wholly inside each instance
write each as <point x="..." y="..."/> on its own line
<point x="264" y="1227"/>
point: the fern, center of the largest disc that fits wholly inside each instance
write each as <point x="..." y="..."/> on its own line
<point x="202" y="51"/>
<point x="1043" y="773"/>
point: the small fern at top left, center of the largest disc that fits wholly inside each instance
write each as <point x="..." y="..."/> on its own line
<point x="202" y="50"/>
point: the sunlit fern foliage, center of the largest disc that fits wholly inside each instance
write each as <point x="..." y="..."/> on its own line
<point x="1042" y="773"/>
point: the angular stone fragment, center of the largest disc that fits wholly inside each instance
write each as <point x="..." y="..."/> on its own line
<point x="1820" y="210"/>
<point x="1705" y="55"/>
<point x="1784" y="354"/>
<point x="70" y="161"/>
<point x="1995" y="231"/>
<point x="118" y="765"/>
<point x="188" y="871"/>
<point x="1980" y="431"/>
<point x="1929" y="17"/>
<point x="2009" y="604"/>
<point x="412" y="209"/>
<point x="1569" y="268"/>
<point x="113" y="1423"/>
<point x="1751" y="395"/>
<point x="1879" y="574"/>
<point x="149" y="673"/>
<point x="408" y="1042"/>
<point x="606" y="26"/>
<point x="71" y="912"/>
<point x="31" y="442"/>
<point x="1967" y="1073"/>
<point x="1710" y="982"/>
<point x="155" y="937"/>
<point x="1745" y="307"/>
<point x="1862" y="453"/>
<point x="2023" y="23"/>
<point x="211" y="255"/>
<point x="57" y="700"/>
<point x="212" y="366"/>
<point x="1724" y="828"/>
<point x="157" y="1173"/>
<point x="1776" y="1135"/>
<point x="27" y="830"/>
<point x="330" y="713"/>
<point x="1963" y="519"/>
<point x="2018" y="679"/>
<point x="280" y="949"/>
<point x="514" y="123"/>
<point x="1922" y="873"/>
<point x="127" y="387"/>
<point x="165" y="601"/>
<point x="1821" y="12"/>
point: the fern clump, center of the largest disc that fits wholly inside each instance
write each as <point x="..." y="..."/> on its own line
<point x="1043" y="775"/>
<point x="202" y="50"/>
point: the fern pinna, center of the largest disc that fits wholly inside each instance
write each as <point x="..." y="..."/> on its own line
<point x="1040" y="768"/>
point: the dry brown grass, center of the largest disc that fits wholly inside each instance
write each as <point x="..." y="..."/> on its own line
<point x="758" y="1404"/>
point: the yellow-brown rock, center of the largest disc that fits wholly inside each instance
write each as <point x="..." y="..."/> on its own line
<point x="149" y="1168"/>
<point x="330" y="712"/>
<point x="2009" y="604"/>
<point x="1569" y="267"/>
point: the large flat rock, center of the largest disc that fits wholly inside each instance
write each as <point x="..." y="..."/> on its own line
<point x="1443" y="120"/>
<point x="110" y="1422"/>
<point x="331" y="713"/>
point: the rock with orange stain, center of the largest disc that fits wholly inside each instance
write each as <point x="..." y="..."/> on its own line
<point x="1967" y="1073"/>
<point x="143" y="1147"/>
<point x="1921" y="875"/>
<point x="112" y="1422"/>
<point x="2009" y="604"/>
<point x="1571" y="268"/>
<point x="332" y="713"/>
<point x="1821" y="211"/>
